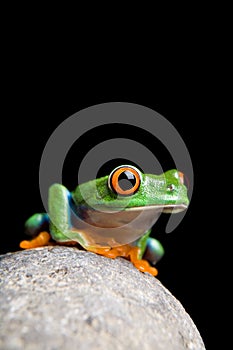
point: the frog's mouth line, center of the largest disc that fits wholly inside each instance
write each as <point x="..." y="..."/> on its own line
<point x="175" y="208"/>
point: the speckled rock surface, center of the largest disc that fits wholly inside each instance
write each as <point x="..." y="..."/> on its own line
<point x="63" y="298"/>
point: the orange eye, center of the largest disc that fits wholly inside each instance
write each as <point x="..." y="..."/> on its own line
<point x="124" y="180"/>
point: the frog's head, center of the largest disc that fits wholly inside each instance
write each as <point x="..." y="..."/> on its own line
<point x="127" y="188"/>
<point x="121" y="207"/>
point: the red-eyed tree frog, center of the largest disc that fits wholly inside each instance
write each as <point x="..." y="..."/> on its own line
<point x="111" y="215"/>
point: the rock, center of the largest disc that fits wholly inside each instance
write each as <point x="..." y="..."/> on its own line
<point x="62" y="298"/>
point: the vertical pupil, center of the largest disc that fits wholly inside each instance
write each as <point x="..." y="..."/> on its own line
<point x="126" y="180"/>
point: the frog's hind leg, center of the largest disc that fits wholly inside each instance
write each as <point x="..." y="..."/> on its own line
<point x="146" y="251"/>
<point x="37" y="223"/>
<point x="36" y="226"/>
<point x="41" y="240"/>
<point x="154" y="251"/>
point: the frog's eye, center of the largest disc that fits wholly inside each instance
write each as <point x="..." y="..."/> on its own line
<point x="124" y="180"/>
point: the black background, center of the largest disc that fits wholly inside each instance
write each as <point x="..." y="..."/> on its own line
<point x="40" y="95"/>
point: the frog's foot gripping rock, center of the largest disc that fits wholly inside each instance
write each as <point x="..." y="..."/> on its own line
<point x="140" y="264"/>
<point x="43" y="239"/>
<point x="127" y="251"/>
<point x="39" y="241"/>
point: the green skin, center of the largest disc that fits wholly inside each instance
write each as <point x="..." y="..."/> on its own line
<point x="95" y="216"/>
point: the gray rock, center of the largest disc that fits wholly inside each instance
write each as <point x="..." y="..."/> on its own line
<point x="63" y="298"/>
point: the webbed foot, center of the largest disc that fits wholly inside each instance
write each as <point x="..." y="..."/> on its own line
<point x="112" y="253"/>
<point x="126" y="251"/>
<point x="39" y="241"/>
<point x="141" y="264"/>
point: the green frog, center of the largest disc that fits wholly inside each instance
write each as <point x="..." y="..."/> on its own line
<point x="112" y="215"/>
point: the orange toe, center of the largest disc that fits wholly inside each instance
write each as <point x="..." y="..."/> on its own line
<point x="41" y="240"/>
<point x="141" y="265"/>
<point x="126" y="251"/>
<point x="112" y="252"/>
<point x="144" y="266"/>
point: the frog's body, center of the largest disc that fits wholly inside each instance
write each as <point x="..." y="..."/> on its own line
<point x="112" y="215"/>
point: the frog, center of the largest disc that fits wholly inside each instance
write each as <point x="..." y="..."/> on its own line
<point x="112" y="215"/>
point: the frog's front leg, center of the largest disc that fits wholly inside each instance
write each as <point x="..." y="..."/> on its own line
<point x="61" y="209"/>
<point x="133" y="253"/>
<point x="141" y="264"/>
